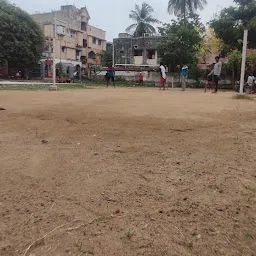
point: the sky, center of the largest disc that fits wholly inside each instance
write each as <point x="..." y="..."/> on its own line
<point x="113" y="15"/>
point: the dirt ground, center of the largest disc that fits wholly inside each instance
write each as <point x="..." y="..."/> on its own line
<point x="127" y="172"/>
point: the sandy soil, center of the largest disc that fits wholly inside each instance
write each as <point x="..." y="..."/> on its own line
<point x="127" y="172"/>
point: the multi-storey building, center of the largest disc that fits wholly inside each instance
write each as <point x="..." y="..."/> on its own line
<point x="138" y="51"/>
<point x="75" y="39"/>
<point x="96" y="43"/>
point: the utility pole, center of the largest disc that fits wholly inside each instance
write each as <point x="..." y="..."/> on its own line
<point x="53" y="87"/>
<point x="243" y="60"/>
<point x="113" y="55"/>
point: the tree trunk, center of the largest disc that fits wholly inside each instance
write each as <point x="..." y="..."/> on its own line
<point x="233" y="76"/>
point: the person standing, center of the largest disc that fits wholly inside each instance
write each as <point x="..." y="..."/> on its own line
<point x="163" y="77"/>
<point x="250" y="82"/>
<point x="141" y="78"/>
<point x="216" y="72"/>
<point x="184" y="76"/>
<point x="110" y="75"/>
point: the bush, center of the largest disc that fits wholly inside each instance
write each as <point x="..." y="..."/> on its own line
<point x="120" y="79"/>
<point x="196" y="73"/>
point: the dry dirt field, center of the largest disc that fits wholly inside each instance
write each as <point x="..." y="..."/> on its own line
<point x="127" y="172"/>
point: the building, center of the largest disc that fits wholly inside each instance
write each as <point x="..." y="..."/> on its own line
<point x="74" y="38"/>
<point x="139" y="51"/>
<point x="96" y="43"/>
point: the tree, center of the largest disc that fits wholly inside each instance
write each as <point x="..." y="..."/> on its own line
<point x="235" y="61"/>
<point x="229" y="29"/>
<point x="233" y="23"/>
<point x="245" y="14"/>
<point x="183" y="43"/>
<point x="211" y="45"/>
<point x="21" y="39"/>
<point x="182" y="8"/>
<point x="108" y="55"/>
<point x="143" y="18"/>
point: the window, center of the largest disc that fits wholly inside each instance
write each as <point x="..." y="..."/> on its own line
<point x="84" y="43"/>
<point x="78" y="54"/>
<point x="83" y="26"/>
<point x="91" y="55"/>
<point x="151" y="54"/>
<point x="72" y="33"/>
<point x="94" y="40"/>
<point x="138" y="52"/>
<point x="60" y="30"/>
<point x="63" y="49"/>
<point x="99" y="42"/>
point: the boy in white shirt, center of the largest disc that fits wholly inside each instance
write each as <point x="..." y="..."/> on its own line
<point x="162" y="76"/>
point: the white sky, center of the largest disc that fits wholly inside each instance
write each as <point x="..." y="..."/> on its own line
<point x="113" y="15"/>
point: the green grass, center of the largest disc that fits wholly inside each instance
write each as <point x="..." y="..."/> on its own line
<point x="242" y="97"/>
<point x="71" y="86"/>
<point x="130" y="234"/>
<point x="37" y="87"/>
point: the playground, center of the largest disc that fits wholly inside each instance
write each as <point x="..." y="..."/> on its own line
<point x="127" y="171"/>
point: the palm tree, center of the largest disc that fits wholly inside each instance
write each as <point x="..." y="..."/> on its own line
<point x="142" y="16"/>
<point x="182" y="8"/>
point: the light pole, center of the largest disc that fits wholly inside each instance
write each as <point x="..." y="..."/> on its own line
<point x="53" y="86"/>
<point x="243" y="60"/>
<point x="113" y="55"/>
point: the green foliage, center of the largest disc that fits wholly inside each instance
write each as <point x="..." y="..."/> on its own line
<point x="242" y="97"/>
<point x="246" y="12"/>
<point x="39" y="87"/>
<point x="234" y="62"/>
<point x="196" y="73"/>
<point x="130" y="234"/>
<point x="211" y="45"/>
<point x="182" y="8"/>
<point x="107" y="55"/>
<point x="183" y="42"/>
<point x="120" y="79"/>
<point x="21" y="38"/>
<point x="230" y="23"/>
<point x="143" y="18"/>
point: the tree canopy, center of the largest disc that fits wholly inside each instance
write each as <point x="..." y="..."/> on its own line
<point x="107" y="55"/>
<point x="230" y="23"/>
<point x="182" y="8"/>
<point x="183" y="41"/>
<point x="21" y="38"/>
<point x="143" y="20"/>
<point x="211" y="45"/>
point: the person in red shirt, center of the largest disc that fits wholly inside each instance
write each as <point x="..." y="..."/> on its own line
<point x="110" y="75"/>
<point x="141" y="78"/>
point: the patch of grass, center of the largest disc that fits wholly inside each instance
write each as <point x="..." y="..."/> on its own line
<point x="30" y="87"/>
<point x="72" y="86"/>
<point x="130" y="234"/>
<point x="42" y="87"/>
<point x="79" y="246"/>
<point x="242" y="97"/>
<point x="252" y="188"/>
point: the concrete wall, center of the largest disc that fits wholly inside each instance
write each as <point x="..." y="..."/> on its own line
<point x="48" y="30"/>
<point x="96" y="32"/>
<point x="95" y="45"/>
<point x="153" y="77"/>
<point x="94" y="35"/>
<point x="128" y="46"/>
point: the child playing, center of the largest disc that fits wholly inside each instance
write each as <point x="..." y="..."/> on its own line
<point x="141" y="78"/>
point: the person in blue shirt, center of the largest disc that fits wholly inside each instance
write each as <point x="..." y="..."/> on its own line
<point x="184" y="76"/>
